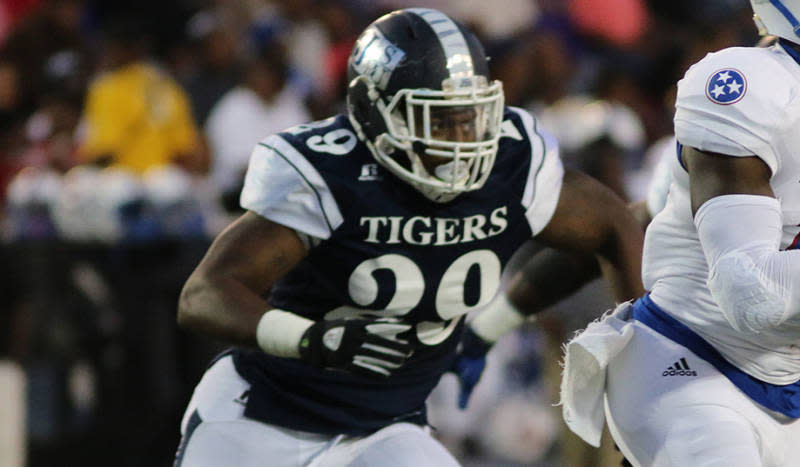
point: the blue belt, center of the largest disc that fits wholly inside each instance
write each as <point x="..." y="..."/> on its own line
<point x="784" y="399"/>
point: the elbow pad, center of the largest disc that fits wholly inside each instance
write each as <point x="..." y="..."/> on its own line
<point x="749" y="278"/>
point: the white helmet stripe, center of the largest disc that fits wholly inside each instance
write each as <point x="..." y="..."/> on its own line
<point x="454" y="45"/>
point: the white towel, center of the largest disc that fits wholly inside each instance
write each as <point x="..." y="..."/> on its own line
<point x="584" y="378"/>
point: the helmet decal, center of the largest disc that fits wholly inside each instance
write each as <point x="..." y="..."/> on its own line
<point x="375" y="57"/>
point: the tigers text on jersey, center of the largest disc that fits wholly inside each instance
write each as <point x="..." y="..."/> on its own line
<point x="740" y="101"/>
<point x="378" y="248"/>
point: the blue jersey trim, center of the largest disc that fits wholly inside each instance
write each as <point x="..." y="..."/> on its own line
<point x="316" y="193"/>
<point x="679" y="150"/>
<point x="787" y="14"/>
<point x="787" y="47"/>
<point x="784" y="399"/>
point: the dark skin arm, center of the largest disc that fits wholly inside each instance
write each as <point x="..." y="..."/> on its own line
<point x="639" y="211"/>
<point x="712" y="175"/>
<point x="589" y="218"/>
<point x="553" y="274"/>
<point x="223" y="296"/>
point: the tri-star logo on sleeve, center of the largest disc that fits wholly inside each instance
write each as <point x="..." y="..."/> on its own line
<point x="726" y="86"/>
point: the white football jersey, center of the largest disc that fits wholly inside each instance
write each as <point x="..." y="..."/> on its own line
<point x="740" y="101"/>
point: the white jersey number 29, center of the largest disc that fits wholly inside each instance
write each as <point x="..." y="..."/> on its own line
<point x="410" y="287"/>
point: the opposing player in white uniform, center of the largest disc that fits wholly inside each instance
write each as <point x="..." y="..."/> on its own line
<point x="704" y="369"/>
<point x="368" y="237"/>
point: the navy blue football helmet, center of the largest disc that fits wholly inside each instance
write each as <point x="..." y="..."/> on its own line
<point x="420" y="97"/>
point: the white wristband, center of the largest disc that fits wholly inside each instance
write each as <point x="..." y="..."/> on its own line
<point x="499" y="317"/>
<point x="279" y="333"/>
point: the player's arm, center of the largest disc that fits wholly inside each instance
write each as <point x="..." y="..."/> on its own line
<point x="223" y="298"/>
<point x="561" y="272"/>
<point x="641" y="213"/>
<point x="714" y="175"/>
<point x="739" y="223"/>
<point x="590" y="222"/>
<point x="589" y="218"/>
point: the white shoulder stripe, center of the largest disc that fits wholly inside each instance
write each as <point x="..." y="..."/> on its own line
<point x="454" y="45"/>
<point x="291" y="192"/>
<point x="538" y="148"/>
<point x="545" y="176"/>
<point x="328" y="204"/>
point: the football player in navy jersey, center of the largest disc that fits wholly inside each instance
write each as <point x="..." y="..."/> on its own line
<point x="367" y="239"/>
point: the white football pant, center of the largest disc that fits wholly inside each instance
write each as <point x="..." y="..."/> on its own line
<point x="224" y="437"/>
<point x="666" y="407"/>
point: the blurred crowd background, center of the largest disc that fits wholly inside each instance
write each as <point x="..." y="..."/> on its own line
<point x="125" y="130"/>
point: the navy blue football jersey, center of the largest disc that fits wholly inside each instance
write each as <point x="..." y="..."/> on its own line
<point x="378" y="248"/>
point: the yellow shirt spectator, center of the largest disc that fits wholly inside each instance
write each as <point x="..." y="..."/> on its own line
<point x="139" y="117"/>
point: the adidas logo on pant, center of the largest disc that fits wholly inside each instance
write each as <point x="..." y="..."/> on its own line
<point x="679" y="368"/>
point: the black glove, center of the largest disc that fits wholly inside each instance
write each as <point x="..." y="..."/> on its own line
<point x="366" y="347"/>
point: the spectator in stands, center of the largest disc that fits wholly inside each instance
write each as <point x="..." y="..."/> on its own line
<point x="298" y="24"/>
<point x="138" y="117"/>
<point x="217" y="68"/>
<point x="262" y="104"/>
<point x="52" y="28"/>
<point x="12" y="115"/>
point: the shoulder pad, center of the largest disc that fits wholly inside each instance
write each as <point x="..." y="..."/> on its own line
<point x="747" y="76"/>
<point x="546" y="172"/>
<point x="734" y="101"/>
<point x="282" y="185"/>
